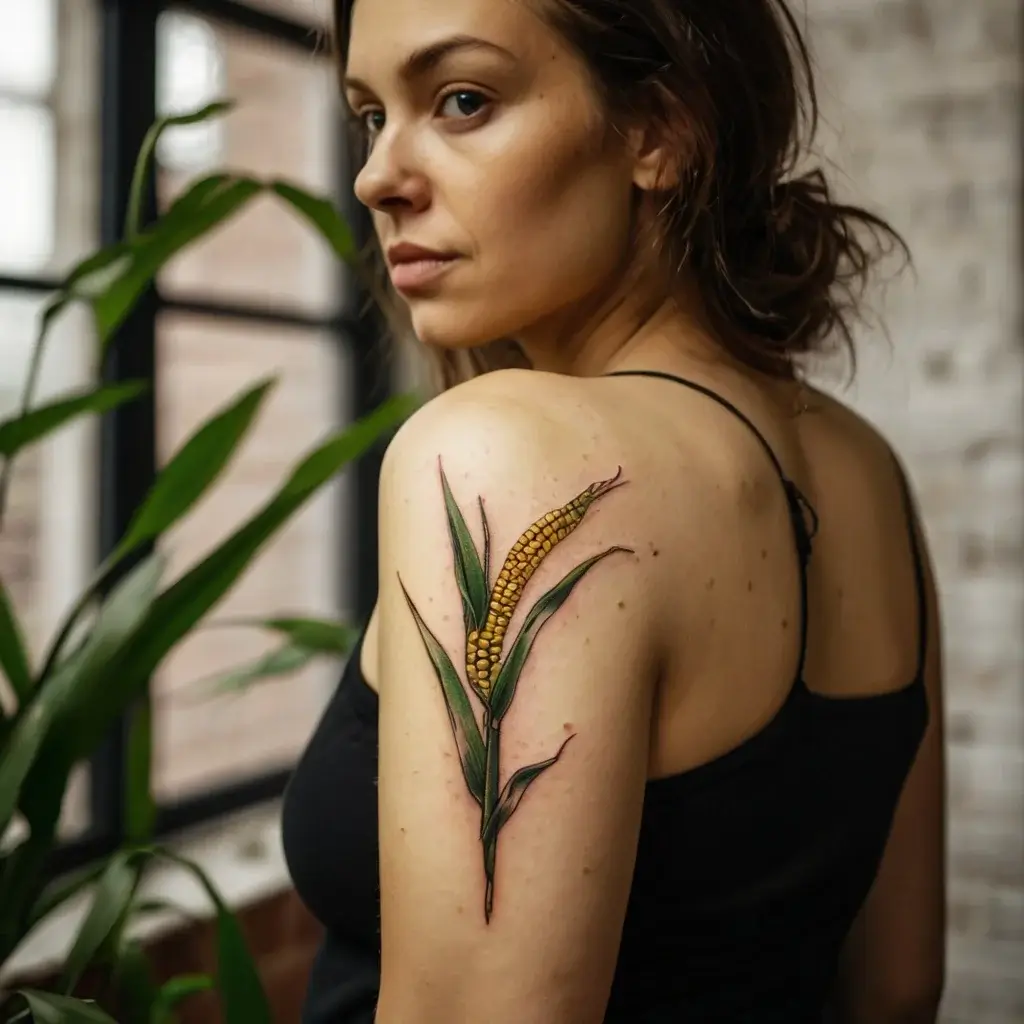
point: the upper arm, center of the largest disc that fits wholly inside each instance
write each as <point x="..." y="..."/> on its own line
<point x="894" y="960"/>
<point x="520" y="922"/>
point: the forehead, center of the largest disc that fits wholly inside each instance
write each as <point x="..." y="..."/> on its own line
<point x="384" y="32"/>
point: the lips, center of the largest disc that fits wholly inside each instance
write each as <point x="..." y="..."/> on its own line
<point x="413" y="267"/>
<point x="418" y="273"/>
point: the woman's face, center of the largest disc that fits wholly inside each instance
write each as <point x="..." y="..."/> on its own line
<point x="487" y="143"/>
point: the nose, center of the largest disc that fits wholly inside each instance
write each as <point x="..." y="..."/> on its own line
<point x="389" y="179"/>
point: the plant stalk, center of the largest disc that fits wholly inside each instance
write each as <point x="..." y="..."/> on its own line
<point x="492" y="744"/>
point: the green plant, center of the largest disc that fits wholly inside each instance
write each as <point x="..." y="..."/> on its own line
<point x="127" y="620"/>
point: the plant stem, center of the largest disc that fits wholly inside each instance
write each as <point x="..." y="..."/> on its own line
<point x="492" y="743"/>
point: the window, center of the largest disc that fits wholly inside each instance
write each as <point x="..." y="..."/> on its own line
<point x="261" y="296"/>
<point x="48" y="118"/>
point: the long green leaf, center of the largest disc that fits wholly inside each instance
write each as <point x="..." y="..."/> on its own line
<point x="154" y="248"/>
<point x="21" y="747"/>
<point x="133" y="218"/>
<point x="239" y="985"/>
<point x="469" y="573"/>
<point x="60" y="891"/>
<point x="48" y="1008"/>
<point x="180" y="607"/>
<point x="13" y="652"/>
<point x="108" y="909"/>
<point x="193" y="469"/>
<point x="134" y="988"/>
<point x="320" y="635"/>
<point x="139" y="801"/>
<point x="487" y="546"/>
<point x="20" y="431"/>
<point x="468" y="741"/>
<point x="322" y="214"/>
<point x="62" y="698"/>
<point x="281" y="662"/>
<point x="514" y="791"/>
<point x="540" y="613"/>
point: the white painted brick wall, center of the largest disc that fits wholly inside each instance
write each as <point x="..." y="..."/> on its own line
<point x="922" y="104"/>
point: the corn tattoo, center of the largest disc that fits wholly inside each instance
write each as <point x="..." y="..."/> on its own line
<point x="484" y="646"/>
<point x="487" y="612"/>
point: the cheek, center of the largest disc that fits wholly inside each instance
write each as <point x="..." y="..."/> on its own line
<point x="548" y="217"/>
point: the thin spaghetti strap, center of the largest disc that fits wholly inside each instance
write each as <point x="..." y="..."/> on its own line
<point x="800" y="508"/>
<point x="910" y="512"/>
<point x="715" y="397"/>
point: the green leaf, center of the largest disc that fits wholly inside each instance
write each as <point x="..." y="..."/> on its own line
<point x="540" y="613"/>
<point x="156" y="246"/>
<point x="133" y="218"/>
<point x="322" y="215"/>
<point x="13" y="653"/>
<point x="487" y="546"/>
<point x="284" y="661"/>
<point x="469" y="574"/>
<point x="468" y="741"/>
<point x="140" y="805"/>
<point x="134" y="988"/>
<point x="74" y="682"/>
<point x="60" y="891"/>
<point x="20" y="431"/>
<point x="321" y="636"/>
<point x="19" y="754"/>
<point x="514" y="791"/>
<point x="109" y="907"/>
<point x="193" y="469"/>
<point x="181" y="606"/>
<point x="63" y="700"/>
<point x="241" y="990"/>
<point x="48" y="1008"/>
<point x="175" y="991"/>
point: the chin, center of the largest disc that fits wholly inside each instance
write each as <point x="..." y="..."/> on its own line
<point x="451" y="326"/>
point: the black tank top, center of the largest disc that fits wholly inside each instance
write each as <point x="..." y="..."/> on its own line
<point x="749" y="872"/>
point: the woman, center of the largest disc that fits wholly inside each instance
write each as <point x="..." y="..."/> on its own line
<point x="654" y="669"/>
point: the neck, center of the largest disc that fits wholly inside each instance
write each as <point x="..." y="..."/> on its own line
<point x="626" y="330"/>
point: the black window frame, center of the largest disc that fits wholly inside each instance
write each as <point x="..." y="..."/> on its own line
<point x="127" y="458"/>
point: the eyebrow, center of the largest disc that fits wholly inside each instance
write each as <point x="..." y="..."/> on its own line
<point x="426" y="58"/>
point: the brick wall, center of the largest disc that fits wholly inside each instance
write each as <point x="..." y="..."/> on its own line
<point x="922" y="103"/>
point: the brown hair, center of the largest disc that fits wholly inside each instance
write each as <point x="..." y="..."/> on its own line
<point x="780" y="264"/>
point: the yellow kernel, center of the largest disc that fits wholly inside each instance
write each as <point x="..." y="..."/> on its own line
<point x="547" y="545"/>
<point x="502" y="621"/>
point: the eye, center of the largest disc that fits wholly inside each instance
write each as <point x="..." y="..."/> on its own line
<point x="463" y="103"/>
<point x="371" y="122"/>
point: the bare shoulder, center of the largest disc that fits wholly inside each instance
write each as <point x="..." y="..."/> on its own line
<point x="514" y="412"/>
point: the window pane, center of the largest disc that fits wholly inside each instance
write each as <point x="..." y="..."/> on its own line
<point x="48" y="194"/>
<point x="283" y="125"/>
<point x="203" y="742"/>
<point x="47" y="543"/>
<point x="28" y="47"/>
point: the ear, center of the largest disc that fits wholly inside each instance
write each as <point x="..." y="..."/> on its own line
<point x="662" y="148"/>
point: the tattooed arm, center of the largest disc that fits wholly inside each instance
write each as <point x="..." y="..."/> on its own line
<point x="515" y="674"/>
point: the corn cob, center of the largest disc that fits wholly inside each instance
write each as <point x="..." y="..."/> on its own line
<point x="483" y="647"/>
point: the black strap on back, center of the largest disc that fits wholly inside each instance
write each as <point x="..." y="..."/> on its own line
<point x="800" y="509"/>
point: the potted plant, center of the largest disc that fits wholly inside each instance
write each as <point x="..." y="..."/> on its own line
<point x="128" y="619"/>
